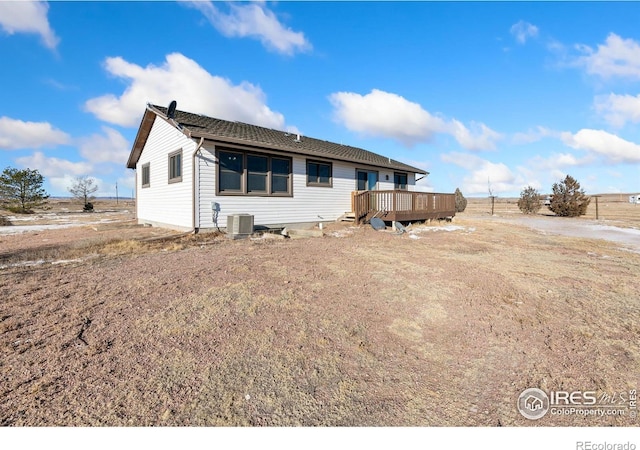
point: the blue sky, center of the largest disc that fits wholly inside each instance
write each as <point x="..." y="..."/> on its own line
<point x="493" y="95"/>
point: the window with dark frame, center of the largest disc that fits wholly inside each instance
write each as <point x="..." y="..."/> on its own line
<point x="247" y="173"/>
<point x="146" y="175"/>
<point x="280" y="175"/>
<point x="230" y="177"/>
<point x="257" y="173"/>
<point x="175" y="167"/>
<point x="319" y="173"/>
<point x="400" y="181"/>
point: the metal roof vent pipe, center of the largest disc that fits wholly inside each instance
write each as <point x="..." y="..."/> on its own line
<point x="298" y="137"/>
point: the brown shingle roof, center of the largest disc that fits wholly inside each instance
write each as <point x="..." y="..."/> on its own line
<point x="238" y="132"/>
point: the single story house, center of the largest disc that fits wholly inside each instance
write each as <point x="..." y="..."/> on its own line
<point x="194" y="171"/>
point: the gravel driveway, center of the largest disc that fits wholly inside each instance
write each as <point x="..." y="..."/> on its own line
<point x="581" y="228"/>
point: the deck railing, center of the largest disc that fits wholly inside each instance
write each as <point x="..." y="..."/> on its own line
<point x="402" y="205"/>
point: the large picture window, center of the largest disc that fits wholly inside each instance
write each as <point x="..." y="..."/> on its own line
<point x="245" y="173"/>
<point x="319" y="173"/>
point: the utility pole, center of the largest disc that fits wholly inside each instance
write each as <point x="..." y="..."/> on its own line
<point x="116" y="192"/>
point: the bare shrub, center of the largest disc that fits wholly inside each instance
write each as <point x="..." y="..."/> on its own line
<point x="4" y="221"/>
<point x="529" y="201"/>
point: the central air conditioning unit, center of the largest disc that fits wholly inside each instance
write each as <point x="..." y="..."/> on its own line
<point x="239" y="226"/>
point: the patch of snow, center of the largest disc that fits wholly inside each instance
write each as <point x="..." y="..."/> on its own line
<point x="631" y="231"/>
<point x="24" y="264"/>
<point x="65" y="261"/>
<point x="342" y="233"/>
<point x="17" y="229"/>
<point x="447" y="228"/>
<point x="39" y="263"/>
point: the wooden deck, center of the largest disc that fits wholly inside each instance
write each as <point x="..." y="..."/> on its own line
<point x="402" y="206"/>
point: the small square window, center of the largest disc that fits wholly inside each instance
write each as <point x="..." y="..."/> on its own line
<point x="319" y="173"/>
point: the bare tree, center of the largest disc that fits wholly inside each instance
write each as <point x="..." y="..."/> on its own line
<point x="491" y="196"/>
<point x="83" y="188"/>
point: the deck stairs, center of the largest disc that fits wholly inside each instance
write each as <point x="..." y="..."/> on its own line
<point x="347" y="217"/>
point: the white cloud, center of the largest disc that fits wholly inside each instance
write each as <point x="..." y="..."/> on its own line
<point x="533" y="135"/>
<point x="127" y="184"/>
<point x="613" y="148"/>
<point x="557" y="161"/>
<point x="17" y="134"/>
<point x="28" y="17"/>
<point x="109" y="147"/>
<point x="424" y="182"/>
<point x="389" y="115"/>
<point x="484" y="175"/>
<point x="183" y="80"/>
<point x="59" y="184"/>
<point x="479" y="137"/>
<point x="617" y="110"/>
<point x="617" y="57"/>
<point x="54" y="167"/>
<point x="253" y="20"/>
<point x="523" y="30"/>
<point x="385" y="114"/>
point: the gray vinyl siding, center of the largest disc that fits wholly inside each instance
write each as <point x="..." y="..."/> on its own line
<point x="162" y="202"/>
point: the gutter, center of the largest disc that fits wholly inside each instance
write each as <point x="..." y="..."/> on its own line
<point x="193" y="186"/>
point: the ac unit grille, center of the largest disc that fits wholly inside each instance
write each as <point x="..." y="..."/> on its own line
<point x="239" y="225"/>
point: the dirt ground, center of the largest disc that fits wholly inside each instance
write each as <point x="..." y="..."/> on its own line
<point x="443" y="326"/>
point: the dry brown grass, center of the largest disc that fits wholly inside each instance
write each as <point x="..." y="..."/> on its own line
<point x="368" y="329"/>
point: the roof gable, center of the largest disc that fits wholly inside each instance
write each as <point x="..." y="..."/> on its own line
<point x="199" y="126"/>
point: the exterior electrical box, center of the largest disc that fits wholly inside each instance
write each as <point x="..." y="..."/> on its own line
<point x="239" y="226"/>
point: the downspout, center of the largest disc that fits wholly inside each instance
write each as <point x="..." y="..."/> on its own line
<point x="193" y="186"/>
<point x="135" y="200"/>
